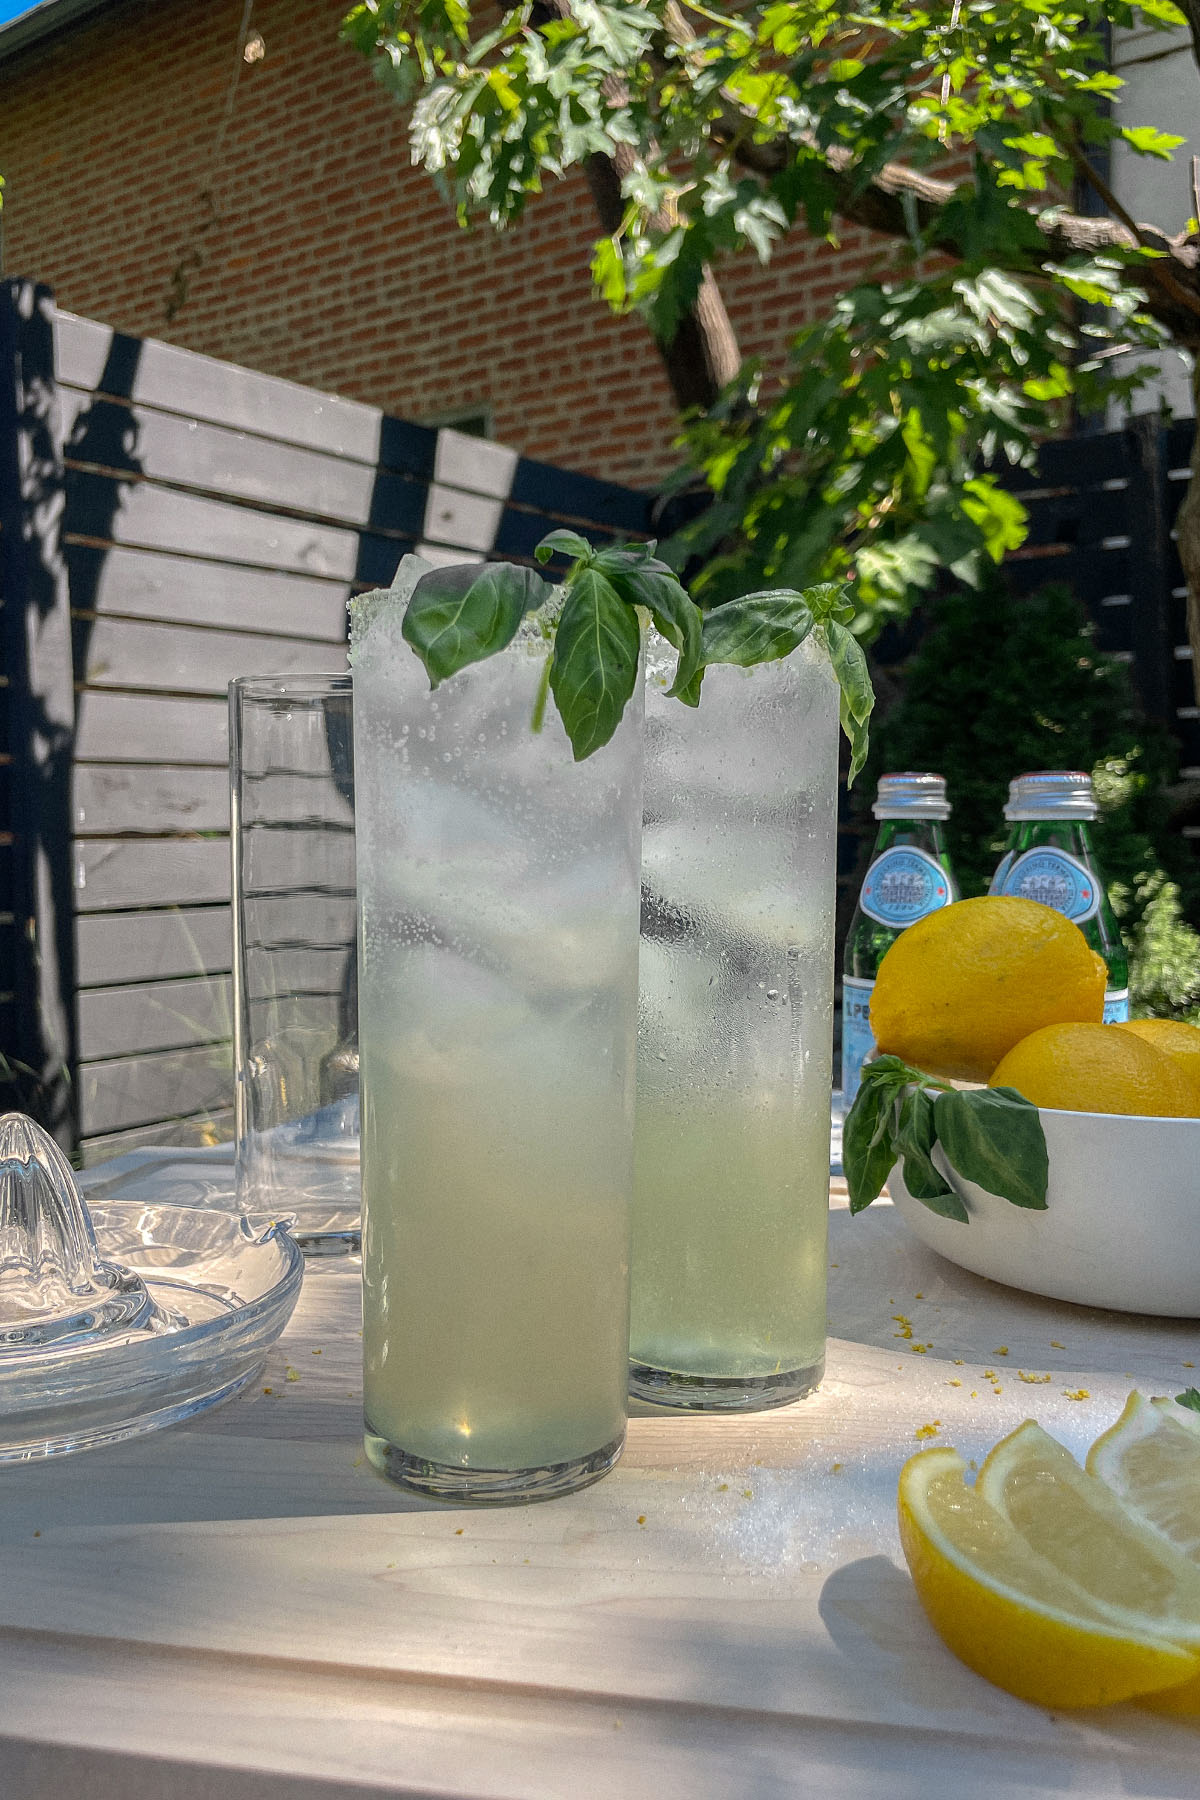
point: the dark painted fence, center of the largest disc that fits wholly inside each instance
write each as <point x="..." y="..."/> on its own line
<point x="166" y="522"/>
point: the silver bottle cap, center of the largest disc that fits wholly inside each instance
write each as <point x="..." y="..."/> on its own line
<point x="911" y="796"/>
<point x="1051" y="794"/>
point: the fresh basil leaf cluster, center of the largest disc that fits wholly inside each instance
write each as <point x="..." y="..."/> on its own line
<point x="1190" y="1398"/>
<point x="991" y="1136"/>
<point x="461" y="614"/>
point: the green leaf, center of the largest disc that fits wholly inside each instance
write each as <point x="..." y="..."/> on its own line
<point x="1149" y="142"/>
<point x="994" y="1137"/>
<point x="596" y="656"/>
<point x="641" y="580"/>
<point x="857" y="695"/>
<point x="1190" y="1398"/>
<point x="463" y="613"/>
<point x="870" y="1145"/>
<point x="756" y="629"/>
<point x="563" y="543"/>
<point x="922" y="1178"/>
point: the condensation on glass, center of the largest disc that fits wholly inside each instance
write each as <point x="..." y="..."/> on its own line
<point x="735" y="1036"/>
<point x="498" y="889"/>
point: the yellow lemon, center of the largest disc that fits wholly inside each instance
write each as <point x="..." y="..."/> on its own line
<point x="963" y="985"/>
<point x="1094" y="1068"/>
<point x="1007" y="1610"/>
<point x="1176" y="1039"/>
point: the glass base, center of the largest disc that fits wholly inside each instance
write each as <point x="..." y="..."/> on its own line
<point x="722" y="1393"/>
<point x="486" y="1487"/>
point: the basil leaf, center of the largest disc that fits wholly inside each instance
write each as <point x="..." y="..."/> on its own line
<point x="460" y="614"/>
<point x="1190" y="1398"/>
<point x="563" y="543"/>
<point x="924" y="1181"/>
<point x="652" y="584"/>
<point x="869" y="1141"/>
<point x="594" y="667"/>
<point x="994" y="1137"/>
<point x="757" y="628"/>
<point x="857" y="694"/>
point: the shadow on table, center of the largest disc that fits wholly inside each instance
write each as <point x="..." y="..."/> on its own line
<point x="175" y="1476"/>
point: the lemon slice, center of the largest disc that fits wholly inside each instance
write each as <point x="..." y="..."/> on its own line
<point x="1151" y="1460"/>
<point x="1127" y="1569"/>
<point x="1009" y="1612"/>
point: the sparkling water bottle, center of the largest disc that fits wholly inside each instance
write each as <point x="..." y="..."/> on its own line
<point x="909" y="876"/>
<point x="1049" y="857"/>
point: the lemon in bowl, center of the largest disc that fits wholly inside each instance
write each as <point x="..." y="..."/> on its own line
<point x="959" y="988"/>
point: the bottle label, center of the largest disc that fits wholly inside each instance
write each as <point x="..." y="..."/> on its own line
<point x="1001" y="875"/>
<point x="1053" y="878"/>
<point x="857" y="1042"/>
<point x="1116" y="1006"/>
<point x="903" y="885"/>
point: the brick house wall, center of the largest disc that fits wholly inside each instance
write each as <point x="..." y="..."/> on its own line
<point x="325" y="257"/>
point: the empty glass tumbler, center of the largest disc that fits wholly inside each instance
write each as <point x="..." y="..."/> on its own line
<point x="295" y="969"/>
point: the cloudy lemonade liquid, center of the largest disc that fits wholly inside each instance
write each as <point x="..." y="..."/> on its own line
<point x="498" y="893"/>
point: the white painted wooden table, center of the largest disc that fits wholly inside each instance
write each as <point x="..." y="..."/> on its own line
<point x="243" y="1609"/>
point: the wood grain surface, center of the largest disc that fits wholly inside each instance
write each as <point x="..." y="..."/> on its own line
<point x="244" y="1603"/>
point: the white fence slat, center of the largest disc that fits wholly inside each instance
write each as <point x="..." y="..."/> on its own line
<point x="126" y="872"/>
<point x="112" y="799"/>
<point x="200" y="387"/>
<point x="158" y="1015"/>
<point x="474" y="463"/>
<point x="144" y="728"/>
<point x="156" y="518"/>
<point x="155" y="1088"/>
<point x="198" y="454"/>
<point x="154" y="584"/>
<point x="145" y="946"/>
<point x="214" y="1125"/>
<point x="141" y="653"/>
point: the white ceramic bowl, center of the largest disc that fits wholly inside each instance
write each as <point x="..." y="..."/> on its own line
<point x="1122" y="1222"/>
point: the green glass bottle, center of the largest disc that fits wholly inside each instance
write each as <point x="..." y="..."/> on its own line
<point x="1049" y="857"/>
<point x="909" y="876"/>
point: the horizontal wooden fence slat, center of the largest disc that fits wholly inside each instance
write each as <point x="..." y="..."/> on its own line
<point x="126" y="872"/>
<point x="109" y="435"/>
<point x="156" y="584"/>
<point x="145" y="946"/>
<point x="140" y="513"/>
<point x="155" y="1088"/>
<point x="158" y="1015"/>
<point x="92" y="356"/>
<point x="139" y="653"/>
<point x="145" y="728"/>
<point x="110" y="800"/>
<point x="312" y="970"/>
<point x="213" y="1125"/>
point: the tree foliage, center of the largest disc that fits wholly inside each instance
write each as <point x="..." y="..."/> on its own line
<point x="960" y="128"/>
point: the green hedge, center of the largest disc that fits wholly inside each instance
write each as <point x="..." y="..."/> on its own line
<point x="1000" y="686"/>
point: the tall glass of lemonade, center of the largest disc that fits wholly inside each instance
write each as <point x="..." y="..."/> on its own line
<point x="735" y="1034"/>
<point x="498" y="893"/>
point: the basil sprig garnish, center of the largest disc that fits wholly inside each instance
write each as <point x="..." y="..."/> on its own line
<point x="461" y="614"/>
<point x="1190" y="1398"/>
<point x="990" y="1136"/>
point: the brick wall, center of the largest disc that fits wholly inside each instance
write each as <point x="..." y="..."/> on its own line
<point x="324" y="256"/>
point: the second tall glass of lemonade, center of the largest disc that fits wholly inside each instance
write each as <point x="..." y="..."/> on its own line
<point x="735" y="1034"/>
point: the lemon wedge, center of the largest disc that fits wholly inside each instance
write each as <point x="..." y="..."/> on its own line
<point x="1012" y="1614"/>
<point x="1129" y="1571"/>
<point x="1151" y="1460"/>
